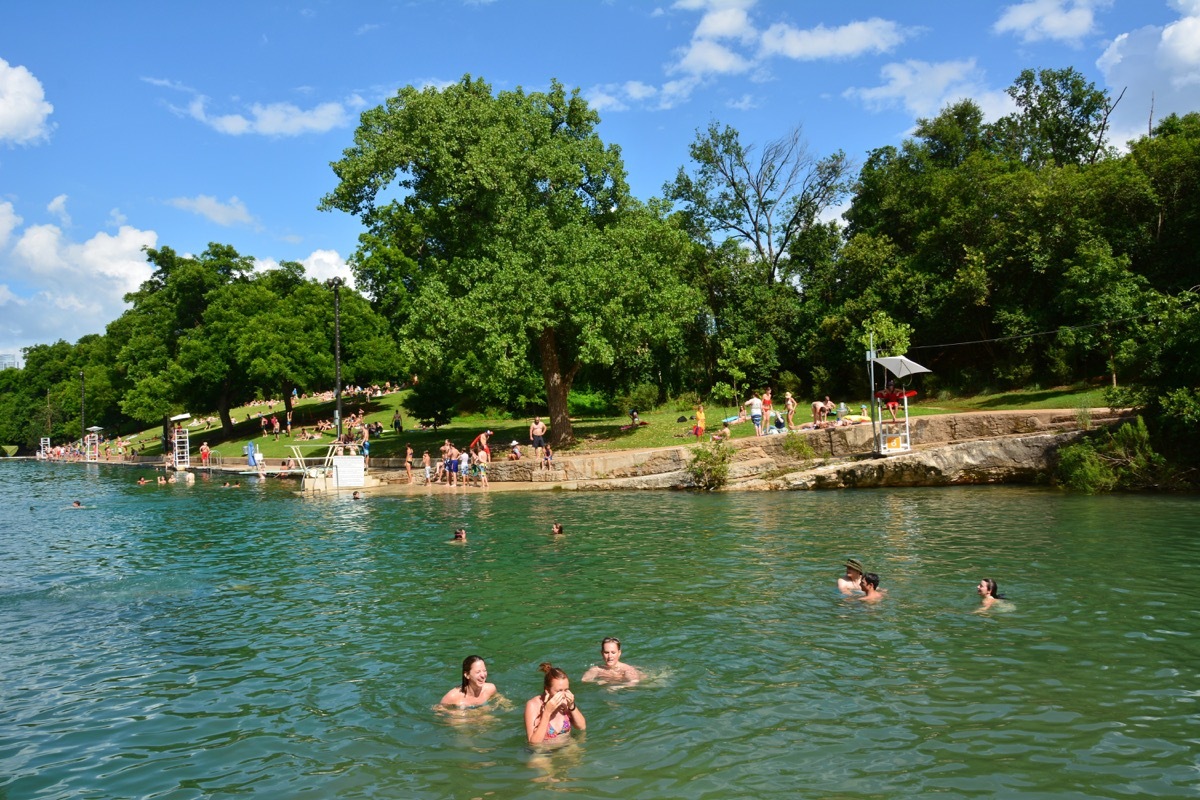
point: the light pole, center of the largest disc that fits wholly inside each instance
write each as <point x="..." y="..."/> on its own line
<point x="82" y="422"/>
<point x="336" y="285"/>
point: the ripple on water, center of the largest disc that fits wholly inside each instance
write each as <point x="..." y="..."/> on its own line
<point x="176" y="642"/>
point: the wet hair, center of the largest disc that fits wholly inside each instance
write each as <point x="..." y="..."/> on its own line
<point x="608" y="639"/>
<point x="992" y="588"/>
<point x="556" y="528"/>
<point x="871" y="578"/>
<point x="468" y="662"/>
<point x="460" y="533"/>
<point x="553" y="674"/>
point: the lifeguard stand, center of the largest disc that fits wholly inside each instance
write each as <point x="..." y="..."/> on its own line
<point x="44" y="448"/>
<point x="183" y="450"/>
<point x="91" y="447"/>
<point x="891" y="438"/>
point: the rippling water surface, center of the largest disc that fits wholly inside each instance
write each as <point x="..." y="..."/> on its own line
<point x="196" y="642"/>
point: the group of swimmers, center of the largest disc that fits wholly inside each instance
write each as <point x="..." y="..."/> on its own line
<point x="857" y="579"/>
<point x="553" y="712"/>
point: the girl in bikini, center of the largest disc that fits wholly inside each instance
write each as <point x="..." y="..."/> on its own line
<point x="553" y="712"/>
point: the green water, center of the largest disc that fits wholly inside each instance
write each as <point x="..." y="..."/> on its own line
<point x="199" y="642"/>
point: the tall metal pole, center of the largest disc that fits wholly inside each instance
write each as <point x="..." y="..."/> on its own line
<point x="876" y="426"/>
<point x="337" y="352"/>
<point x="82" y="421"/>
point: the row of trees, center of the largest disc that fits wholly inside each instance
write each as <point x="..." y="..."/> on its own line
<point x="515" y="265"/>
<point x="505" y="261"/>
<point x="204" y="333"/>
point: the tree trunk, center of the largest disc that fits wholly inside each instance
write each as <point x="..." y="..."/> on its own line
<point x="558" y="387"/>
<point x="223" y="411"/>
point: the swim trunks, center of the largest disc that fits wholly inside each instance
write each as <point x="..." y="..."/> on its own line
<point x="538" y="441"/>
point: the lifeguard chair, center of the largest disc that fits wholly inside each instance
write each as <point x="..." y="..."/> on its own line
<point x="892" y="437"/>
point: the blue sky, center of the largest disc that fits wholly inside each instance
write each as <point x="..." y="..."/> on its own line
<point x="133" y="124"/>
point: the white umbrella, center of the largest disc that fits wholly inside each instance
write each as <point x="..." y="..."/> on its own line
<point x="900" y="366"/>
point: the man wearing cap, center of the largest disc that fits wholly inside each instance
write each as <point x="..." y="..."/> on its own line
<point x="849" y="583"/>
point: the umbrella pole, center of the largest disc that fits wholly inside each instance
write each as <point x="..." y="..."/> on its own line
<point x="876" y="433"/>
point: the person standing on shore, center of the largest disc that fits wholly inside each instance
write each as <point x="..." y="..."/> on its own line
<point x="700" y="422"/>
<point x="537" y="433"/>
<point x="754" y="407"/>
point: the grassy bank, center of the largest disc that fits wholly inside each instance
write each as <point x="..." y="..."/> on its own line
<point x="593" y="433"/>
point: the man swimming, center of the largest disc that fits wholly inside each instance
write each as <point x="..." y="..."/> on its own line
<point x="850" y="582"/>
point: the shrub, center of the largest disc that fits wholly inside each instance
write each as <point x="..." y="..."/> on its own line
<point x="797" y="447"/>
<point x="788" y="382"/>
<point x="588" y="404"/>
<point x="709" y="468"/>
<point x="1122" y="460"/>
<point x="643" y="397"/>
<point x="686" y="401"/>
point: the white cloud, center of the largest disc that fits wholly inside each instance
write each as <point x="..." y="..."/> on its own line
<point x="638" y="90"/>
<point x="24" y="111"/>
<point x="1158" y="67"/>
<point x="58" y="207"/>
<point x="706" y="57"/>
<point x="59" y="289"/>
<point x="115" y="218"/>
<point x="326" y="264"/>
<point x="1058" y="20"/>
<point x="233" y="212"/>
<point x="744" y="103"/>
<point x="923" y="89"/>
<point x="605" y="98"/>
<point x="874" y="35"/>
<point x="272" y="119"/>
<point x="264" y="119"/>
<point x="9" y="222"/>
<point x="726" y="23"/>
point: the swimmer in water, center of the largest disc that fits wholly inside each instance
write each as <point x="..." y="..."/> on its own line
<point x="553" y="712"/>
<point x="356" y="496"/>
<point x="989" y="592"/>
<point x="77" y="504"/>
<point x="613" y="670"/>
<point x="556" y="529"/>
<point x="460" y="535"/>
<point x="850" y="582"/>
<point x="870" y="587"/>
<point x="475" y="690"/>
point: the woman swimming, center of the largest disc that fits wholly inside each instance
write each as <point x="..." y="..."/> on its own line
<point x="553" y="712"/>
<point x="613" y="670"/>
<point x="475" y="690"/>
<point x="989" y="592"/>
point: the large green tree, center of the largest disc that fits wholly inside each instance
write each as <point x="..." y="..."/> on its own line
<point x="508" y="240"/>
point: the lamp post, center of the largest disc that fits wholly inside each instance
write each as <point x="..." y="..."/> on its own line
<point x="336" y="285"/>
<point x="82" y="422"/>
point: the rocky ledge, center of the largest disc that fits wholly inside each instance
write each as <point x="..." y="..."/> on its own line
<point x="978" y="447"/>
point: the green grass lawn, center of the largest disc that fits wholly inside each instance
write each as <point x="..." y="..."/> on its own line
<point x="592" y="433"/>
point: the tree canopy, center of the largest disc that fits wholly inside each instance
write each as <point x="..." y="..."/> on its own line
<point x="511" y="242"/>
